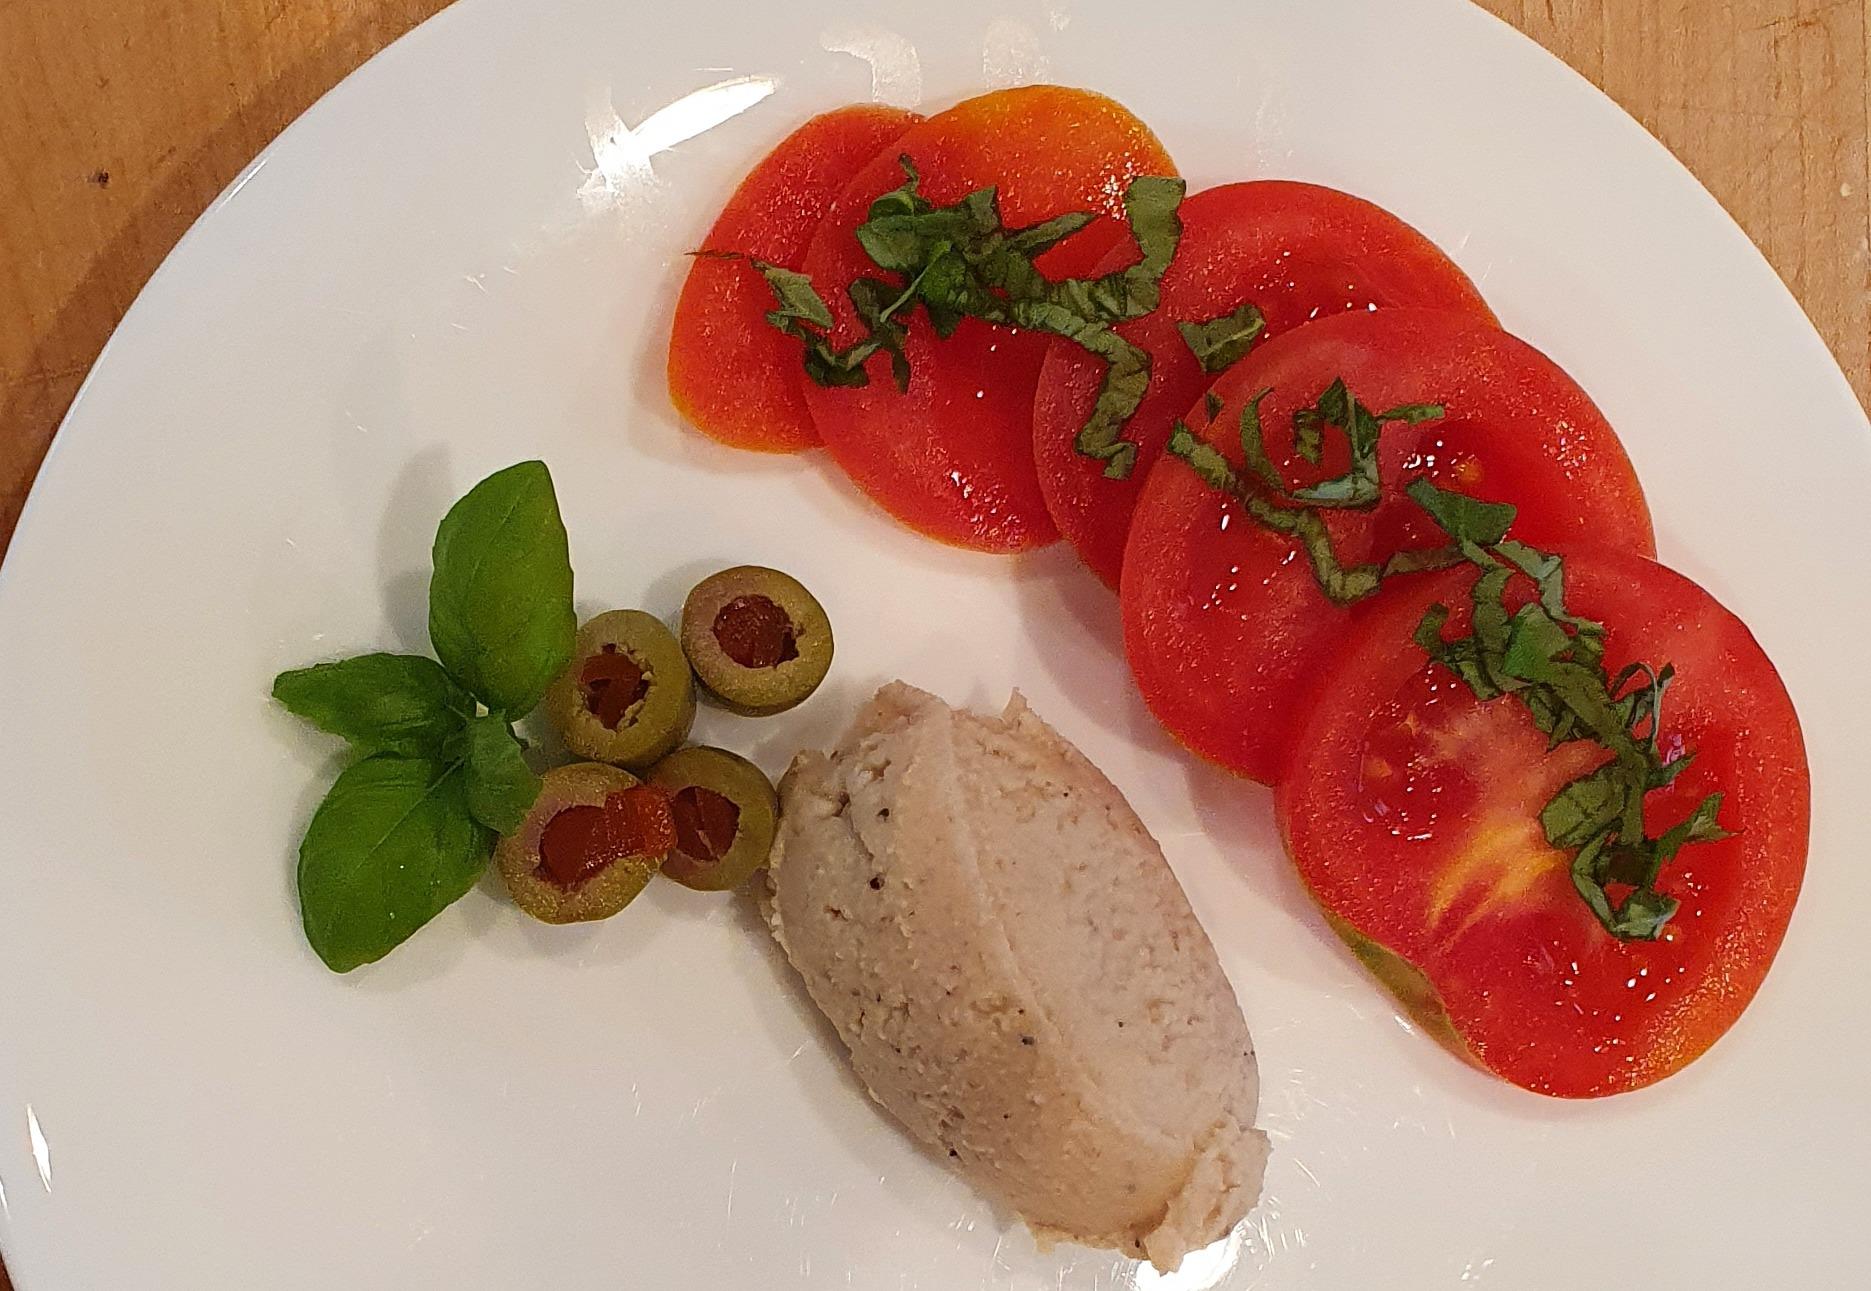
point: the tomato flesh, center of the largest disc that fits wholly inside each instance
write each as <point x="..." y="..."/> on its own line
<point x="1225" y="627"/>
<point x="733" y="376"/>
<point x="953" y="456"/>
<point x="1412" y="813"/>
<point x="1298" y="252"/>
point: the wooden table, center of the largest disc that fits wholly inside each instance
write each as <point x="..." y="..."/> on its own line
<point x="120" y="119"/>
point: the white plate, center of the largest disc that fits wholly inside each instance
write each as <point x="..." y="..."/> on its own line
<point x="463" y="258"/>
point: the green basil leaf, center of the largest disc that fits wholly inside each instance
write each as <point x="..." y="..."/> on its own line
<point x="1356" y="490"/>
<point x="1221" y="342"/>
<point x="906" y="199"/>
<point x="1359" y="487"/>
<point x="1254" y="442"/>
<point x="1546" y="711"/>
<point x="1036" y="240"/>
<point x="902" y="236"/>
<point x="1151" y="206"/>
<point x="1211" y="402"/>
<point x="1643" y="915"/>
<point x="391" y="847"/>
<point x="1204" y="459"/>
<point x="1581" y="688"/>
<point x="501" y="788"/>
<point x="1666" y="774"/>
<point x="1589" y="882"/>
<point x="1491" y="626"/>
<point x="1342" y="585"/>
<point x="961" y="262"/>
<point x="1332" y="408"/>
<point x="803" y="315"/>
<point x="1413" y="414"/>
<point x="1463" y="518"/>
<point x="1587" y="807"/>
<point x="1700" y="827"/>
<point x="381" y="703"/>
<point x="1423" y="560"/>
<point x="1534" y="642"/>
<point x="1121" y="393"/>
<point x="1428" y="633"/>
<point x="500" y="599"/>
<point x="794" y="293"/>
<point x="978" y="214"/>
<point x="837" y="369"/>
<point x="876" y="303"/>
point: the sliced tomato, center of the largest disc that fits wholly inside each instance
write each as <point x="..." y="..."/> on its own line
<point x="1412" y="812"/>
<point x="1298" y="252"/>
<point x="953" y="457"/>
<point x="1224" y="624"/>
<point x="731" y="375"/>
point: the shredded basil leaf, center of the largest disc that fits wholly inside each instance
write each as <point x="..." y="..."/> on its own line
<point x="1463" y="518"/>
<point x="1553" y="661"/>
<point x="1221" y="342"/>
<point x="1298" y="512"/>
<point x="961" y="261"/>
<point x="1254" y="443"/>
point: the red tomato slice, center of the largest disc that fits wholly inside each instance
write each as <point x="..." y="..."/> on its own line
<point x="1412" y="812"/>
<point x="953" y="457"/>
<point x="1224" y="624"/>
<point x="731" y="375"/>
<point x="1298" y="252"/>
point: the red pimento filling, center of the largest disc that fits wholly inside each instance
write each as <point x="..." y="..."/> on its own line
<point x="706" y="823"/>
<point x="612" y="683"/>
<point x="755" y="632"/>
<point x="581" y="842"/>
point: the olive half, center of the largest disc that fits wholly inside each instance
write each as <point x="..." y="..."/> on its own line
<point x="726" y="812"/>
<point x="628" y="697"/>
<point x="588" y="846"/>
<point x="759" y="641"/>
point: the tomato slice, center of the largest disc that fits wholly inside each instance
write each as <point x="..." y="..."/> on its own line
<point x="953" y="457"/>
<point x="731" y="375"/>
<point x="1224" y="625"/>
<point x="1412" y="812"/>
<point x="1297" y="251"/>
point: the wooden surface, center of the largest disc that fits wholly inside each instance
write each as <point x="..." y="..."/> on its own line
<point x="121" y="119"/>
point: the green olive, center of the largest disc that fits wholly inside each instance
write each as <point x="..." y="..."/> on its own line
<point x="628" y="697"/>
<point x="726" y="812"/>
<point x="757" y="639"/>
<point x="588" y="846"/>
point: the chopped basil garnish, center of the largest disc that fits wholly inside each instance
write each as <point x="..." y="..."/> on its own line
<point x="1541" y="653"/>
<point x="1553" y="662"/>
<point x="1222" y="342"/>
<point x="1299" y="512"/>
<point x="960" y="261"/>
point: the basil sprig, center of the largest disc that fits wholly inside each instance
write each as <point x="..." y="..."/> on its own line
<point x="1552" y="661"/>
<point x="1299" y="513"/>
<point x="406" y="830"/>
<point x="961" y="261"/>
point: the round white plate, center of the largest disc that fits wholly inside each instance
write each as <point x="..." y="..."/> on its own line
<point x="466" y="256"/>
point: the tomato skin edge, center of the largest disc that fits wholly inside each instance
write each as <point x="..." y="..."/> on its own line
<point x="730" y="375"/>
